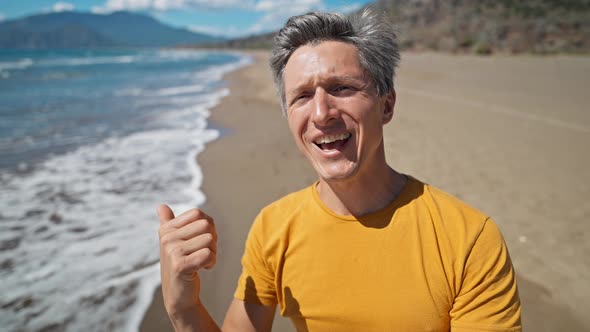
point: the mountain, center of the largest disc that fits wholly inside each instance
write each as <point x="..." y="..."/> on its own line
<point x="79" y="29"/>
<point x="486" y="26"/>
<point x="478" y="26"/>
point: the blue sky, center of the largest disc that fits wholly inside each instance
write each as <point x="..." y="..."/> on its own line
<point x="231" y="18"/>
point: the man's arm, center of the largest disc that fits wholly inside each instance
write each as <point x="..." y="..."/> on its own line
<point x="242" y="316"/>
<point x="488" y="299"/>
<point x="188" y="243"/>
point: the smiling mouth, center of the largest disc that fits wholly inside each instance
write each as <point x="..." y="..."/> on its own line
<point x="332" y="142"/>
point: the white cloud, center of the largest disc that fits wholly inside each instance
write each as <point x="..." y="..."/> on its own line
<point x="288" y="5"/>
<point x="62" y="7"/>
<point x="2" y="17"/>
<point x="165" y="5"/>
<point x="276" y="12"/>
<point x="99" y="10"/>
<point x="264" y="5"/>
<point x="347" y="9"/>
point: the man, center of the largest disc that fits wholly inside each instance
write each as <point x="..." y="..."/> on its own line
<point x="365" y="248"/>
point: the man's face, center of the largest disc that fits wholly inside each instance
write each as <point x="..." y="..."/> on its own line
<point x="334" y="111"/>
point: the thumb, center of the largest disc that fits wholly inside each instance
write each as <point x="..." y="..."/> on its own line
<point x="165" y="213"/>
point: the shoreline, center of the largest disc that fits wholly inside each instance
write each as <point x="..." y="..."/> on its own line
<point x="241" y="174"/>
<point x="479" y="128"/>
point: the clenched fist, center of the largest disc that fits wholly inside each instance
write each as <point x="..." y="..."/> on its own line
<point x="188" y="243"/>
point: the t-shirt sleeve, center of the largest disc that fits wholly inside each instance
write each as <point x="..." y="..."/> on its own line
<point x="257" y="281"/>
<point x="488" y="298"/>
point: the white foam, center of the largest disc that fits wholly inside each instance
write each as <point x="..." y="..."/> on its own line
<point x="106" y="193"/>
<point x="179" y="90"/>
<point x="130" y="92"/>
<point x="184" y="102"/>
<point x="88" y="252"/>
<point x="182" y="54"/>
<point x="20" y="64"/>
<point x="146" y="291"/>
<point x="217" y="72"/>
<point x="85" y="61"/>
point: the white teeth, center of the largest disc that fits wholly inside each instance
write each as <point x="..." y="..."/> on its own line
<point x="332" y="138"/>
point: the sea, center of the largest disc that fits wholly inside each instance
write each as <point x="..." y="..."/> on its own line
<point x="91" y="141"/>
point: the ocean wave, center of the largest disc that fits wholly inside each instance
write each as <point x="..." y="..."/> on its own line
<point x="130" y="92"/>
<point x="19" y="64"/>
<point x="182" y="54"/>
<point x="159" y="56"/>
<point x="217" y="72"/>
<point x="83" y="225"/>
<point x="179" y="90"/>
<point x="79" y="231"/>
<point x="86" y="61"/>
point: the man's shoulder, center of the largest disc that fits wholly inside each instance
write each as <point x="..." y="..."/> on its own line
<point x="447" y="202"/>
<point x="274" y="220"/>
<point x="449" y="210"/>
<point x="288" y="205"/>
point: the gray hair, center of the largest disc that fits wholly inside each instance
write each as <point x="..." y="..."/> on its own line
<point x="374" y="38"/>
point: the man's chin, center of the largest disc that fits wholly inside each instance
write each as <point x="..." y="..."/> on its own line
<point x="335" y="176"/>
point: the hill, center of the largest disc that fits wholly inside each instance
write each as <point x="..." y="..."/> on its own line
<point x="485" y="26"/>
<point x="79" y="29"/>
<point x="480" y="26"/>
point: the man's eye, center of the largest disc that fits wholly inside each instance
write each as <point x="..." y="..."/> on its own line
<point x="301" y="97"/>
<point x="341" y="88"/>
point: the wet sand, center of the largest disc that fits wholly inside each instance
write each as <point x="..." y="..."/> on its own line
<point x="507" y="134"/>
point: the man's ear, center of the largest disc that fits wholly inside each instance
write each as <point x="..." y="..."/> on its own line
<point x="388" y="106"/>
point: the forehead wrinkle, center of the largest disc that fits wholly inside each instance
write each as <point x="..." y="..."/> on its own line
<point x="328" y="74"/>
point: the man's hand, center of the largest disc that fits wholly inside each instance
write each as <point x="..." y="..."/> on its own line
<point x="188" y="243"/>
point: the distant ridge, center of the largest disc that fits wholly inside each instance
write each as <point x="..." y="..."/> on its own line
<point x="476" y="26"/>
<point x="80" y="29"/>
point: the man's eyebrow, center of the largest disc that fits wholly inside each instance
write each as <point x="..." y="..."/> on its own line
<point x="347" y="78"/>
<point x="358" y="79"/>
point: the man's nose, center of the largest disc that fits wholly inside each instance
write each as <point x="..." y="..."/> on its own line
<point x="323" y="111"/>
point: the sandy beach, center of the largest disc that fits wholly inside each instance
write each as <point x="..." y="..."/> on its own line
<point x="507" y="134"/>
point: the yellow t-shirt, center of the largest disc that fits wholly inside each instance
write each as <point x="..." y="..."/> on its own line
<point x="427" y="262"/>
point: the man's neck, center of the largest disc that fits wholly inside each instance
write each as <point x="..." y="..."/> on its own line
<point x="364" y="193"/>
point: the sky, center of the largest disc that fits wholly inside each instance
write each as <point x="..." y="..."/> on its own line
<point x="228" y="18"/>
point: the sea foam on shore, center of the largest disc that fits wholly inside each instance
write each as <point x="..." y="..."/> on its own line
<point x="78" y="230"/>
